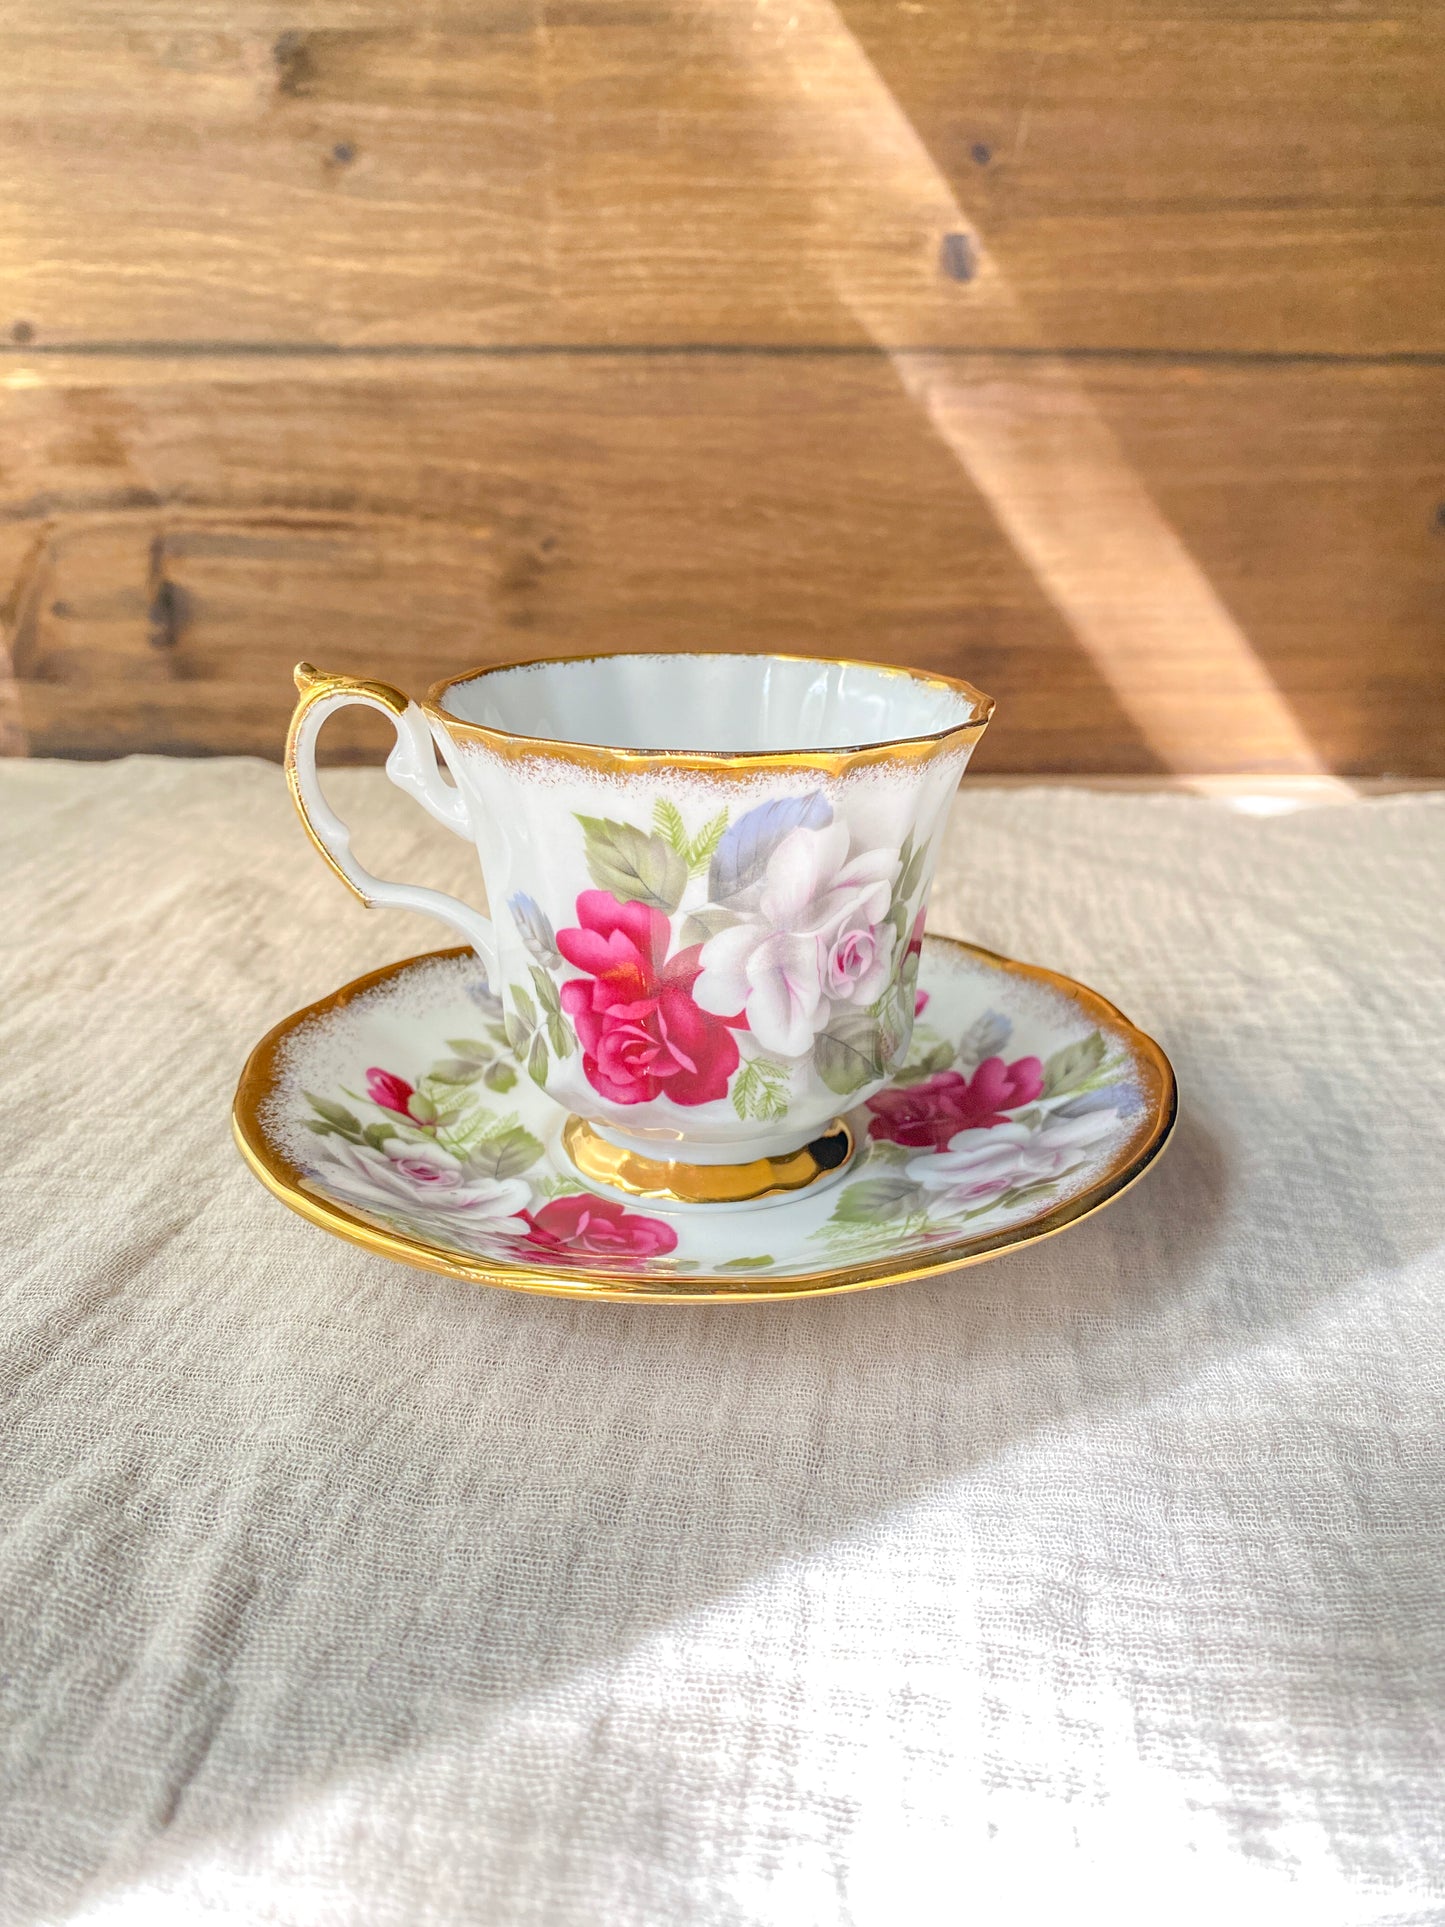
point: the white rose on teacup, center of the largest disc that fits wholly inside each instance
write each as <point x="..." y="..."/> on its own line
<point x="816" y="936"/>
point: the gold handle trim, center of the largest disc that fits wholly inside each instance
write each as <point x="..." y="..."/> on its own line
<point x="319" y="686"/>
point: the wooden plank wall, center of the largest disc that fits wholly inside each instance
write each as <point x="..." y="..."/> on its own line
<point x="1092" y="349"/>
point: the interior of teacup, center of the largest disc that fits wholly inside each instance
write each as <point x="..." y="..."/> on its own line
<point x="712" y="704"/>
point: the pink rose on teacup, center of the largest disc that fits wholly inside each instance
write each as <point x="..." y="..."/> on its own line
<point x="642" y="1033"/>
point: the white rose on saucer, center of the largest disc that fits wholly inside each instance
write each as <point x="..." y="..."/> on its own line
<point x="989" y="1160"/>
<point x="428" y="1187"/>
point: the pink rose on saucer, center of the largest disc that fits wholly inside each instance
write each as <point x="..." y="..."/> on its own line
<point x="642" y="1033"/>
<point x="925" y="1116"/>
<point x="582" y="1226"/>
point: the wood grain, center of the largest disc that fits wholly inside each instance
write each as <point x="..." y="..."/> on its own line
<point x="174" y="534"/>
<point x="1027" y="173"/>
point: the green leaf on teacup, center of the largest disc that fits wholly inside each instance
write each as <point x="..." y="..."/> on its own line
<point x="894" y="1011"/>
<point x="633" y="866"/>
<point x="537" y="1061"/>
<point x="700" y="926"/>
<point x="760" y="1090"/>
<point x="526" y="1009"/>
<point x="1073" y="1065"/>
<point x="546" y="991"/>
<point x="698" y="853"/>
<point x="518" y="1033"/>
<point x="912" y="862"/>
<point x="558" y="1034"/>
<point x="850" y="1053"/>
<point x="667" y="822"/>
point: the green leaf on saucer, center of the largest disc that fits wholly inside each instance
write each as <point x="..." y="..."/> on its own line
<point x="499" y="1077"/>
<point x="472" y="1047"/>
<point x="1073" y="1065"/>
<point x="746" y="1264"/>
<point x="506" y="1154"/>
<point x="936" y="1058"/>
<point x="335" y="1114"/>
<point x="879" y="1200"/>
<point x="455" y="1070"/>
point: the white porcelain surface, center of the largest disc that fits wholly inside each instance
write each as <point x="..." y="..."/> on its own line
<point x="706" y="703"/>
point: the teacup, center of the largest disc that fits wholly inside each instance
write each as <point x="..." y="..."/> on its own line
<point x="705" y="953"/>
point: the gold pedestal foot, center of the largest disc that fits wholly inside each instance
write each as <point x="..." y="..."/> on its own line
<point x="674" y="1182"/>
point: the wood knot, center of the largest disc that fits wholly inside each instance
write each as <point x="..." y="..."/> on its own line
<point x="295" y="70"/>
<point x="958" y="257"/>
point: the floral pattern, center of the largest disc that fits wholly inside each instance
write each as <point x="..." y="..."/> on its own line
<point x="963" y="1137"/>
<point x="972" y="1135"/>
<point x="424" y="1185"/>
<point x="642" y="1030"/>
<point x="929" y="1113"/>
<point x="581" y="1226"/>
<point x="810" y="936"/>
<point x="735" y="962"/>
<point x="439" y="1164"/>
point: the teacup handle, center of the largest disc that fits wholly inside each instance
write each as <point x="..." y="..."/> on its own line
<point x="412" y="766"/>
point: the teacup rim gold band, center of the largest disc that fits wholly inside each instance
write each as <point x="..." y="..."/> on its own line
<point x="514" y="747"/>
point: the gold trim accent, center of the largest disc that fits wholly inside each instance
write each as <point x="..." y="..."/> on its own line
<point x="315" y="685"/>
<point x="681" y="1183"/>
<point x="281" y="1176"/>
<point x="726" y="764"/>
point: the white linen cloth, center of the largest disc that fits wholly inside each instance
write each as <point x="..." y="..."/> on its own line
<point x="1104" y="1579"/>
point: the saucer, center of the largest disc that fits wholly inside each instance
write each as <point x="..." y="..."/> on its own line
<point x="395" y="1114"/>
